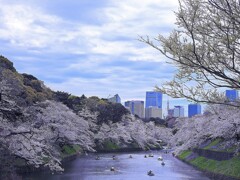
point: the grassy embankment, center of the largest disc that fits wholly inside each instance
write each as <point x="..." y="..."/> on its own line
<point x="111" y="146"/>
<point x="70" y="150"/>
<point x="230" y="167"/>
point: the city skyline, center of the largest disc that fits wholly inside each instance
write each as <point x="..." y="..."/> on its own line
<point x="173" y="102"/>
<point x="231" y="94"/>
<point x="91" y="47"/>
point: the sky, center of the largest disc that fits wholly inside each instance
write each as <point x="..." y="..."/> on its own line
<point x="89" y="47"/>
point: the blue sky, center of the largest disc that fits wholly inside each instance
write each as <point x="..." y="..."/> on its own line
<point x="89" y="47"/>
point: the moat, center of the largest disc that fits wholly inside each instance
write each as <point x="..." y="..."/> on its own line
<point x="88" y="168"/>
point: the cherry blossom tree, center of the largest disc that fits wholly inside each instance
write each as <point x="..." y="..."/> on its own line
<point x="205" y="48"/>
<point x="221" y="122"/>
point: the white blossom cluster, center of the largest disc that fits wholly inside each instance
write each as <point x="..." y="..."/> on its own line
<point x="220" y="122"/>
<point x="132" y="129"/>
<point x="36" y="137"/>
<point x="45" y="125"/>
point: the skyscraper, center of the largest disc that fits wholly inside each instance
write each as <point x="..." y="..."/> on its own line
<point x="168" y="105"/>
<point x="178" y="111"/>
<point x="153" y="112"/>
<point x="127" y="103"/>
<point x="153" y="99"/>
<point x="136" y="107"/>
<point x="232" y="95"/>
<point x="170" y="112"/>
<point x="194" y="109"/>
<point x="115" y="99"/>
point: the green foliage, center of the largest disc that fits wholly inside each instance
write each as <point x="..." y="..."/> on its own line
<point x="109" y="145"/>
<point x="6" y="64"/>
<point x="69" y="150"/>
<point x="231" y="149"/>
<point x="184" y="154"/>
<point x="134" y="144"/>
<point x="107" y="112"/>
<point x="24" y="89"/>
<point x="158" y="121"/>
<point x="110" y="112"/>
<point x="228" y="167"/>
<point x="35" y="84"/>
<point x="61" y="96"/>
<point x="213" y="143"/>
<point x="33" y="96"/>
<point x="72" y="97"/>
<point x="30" y="95"/>
<point x="46" y="159"/>
<point x="92" y="103"/>
<point x="204" y="163"/>
<point x="73" y="102"/>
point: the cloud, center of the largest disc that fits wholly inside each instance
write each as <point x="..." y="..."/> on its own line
<point x="88" y="47"/>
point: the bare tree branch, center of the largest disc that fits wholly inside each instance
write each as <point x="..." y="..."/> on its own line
<point x="205" y="48"/>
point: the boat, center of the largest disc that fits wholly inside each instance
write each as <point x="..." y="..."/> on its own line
<point x="97" y="158"/>
<point x="150" y="173"/>
<point x="160" y="158"/>
<point x="114" y="157"/>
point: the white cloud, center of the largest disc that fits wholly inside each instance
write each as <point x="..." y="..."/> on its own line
<point x="47" y="37"/>
<point x="28" y="27"/>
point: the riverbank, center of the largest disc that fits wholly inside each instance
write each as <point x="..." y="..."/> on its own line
<point x="111" y="146"/>
<point x="68" y="153"/>
<point x="215" y="166"/>
<point x="71" y="152"/>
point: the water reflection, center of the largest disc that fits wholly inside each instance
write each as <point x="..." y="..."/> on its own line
<point x="137" y="167"/>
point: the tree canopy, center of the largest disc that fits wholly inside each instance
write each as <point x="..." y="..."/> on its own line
<point x="205" y="47"/>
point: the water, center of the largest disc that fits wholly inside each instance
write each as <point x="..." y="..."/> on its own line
<point x="136" y="168"/>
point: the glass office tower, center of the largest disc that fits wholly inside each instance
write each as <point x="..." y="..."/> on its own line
<point x="194" y="109"/>
<point x="153" y="99"/>
<point x="232" y="95"/>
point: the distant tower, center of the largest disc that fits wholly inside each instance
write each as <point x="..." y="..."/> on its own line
<point x="167" y="105"/>
<point x="153" y="104"/>
<point x="231" y="95"/>
<point x="178" y="111"/>
<point x="194" y="109"/>
<point x="115" y="99"/>
<point x="153" y="99"/>
<point x="137" y="107"/>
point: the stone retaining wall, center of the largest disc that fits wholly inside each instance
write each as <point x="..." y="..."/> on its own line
<point x="215" y="155"/>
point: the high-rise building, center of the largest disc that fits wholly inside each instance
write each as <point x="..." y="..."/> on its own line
<point x="194" y="109"/>
<point x="168" y="105"/>
<point x="136" y="107"/>
<point x="153" y="99"/>
<point x="127" y="103"/>
<point x="178" y="111"/>
<point x="115" y="99"/>
<point x="154" y="112"/>
<point x="170" y="112"/>
<point x="232" y="95"/>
